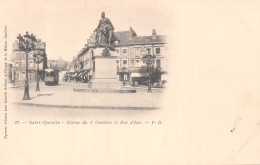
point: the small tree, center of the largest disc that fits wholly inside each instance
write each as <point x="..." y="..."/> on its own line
<point x="155" y="73"/>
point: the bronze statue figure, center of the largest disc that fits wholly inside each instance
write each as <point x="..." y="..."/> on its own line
<point x="105" y="33"/>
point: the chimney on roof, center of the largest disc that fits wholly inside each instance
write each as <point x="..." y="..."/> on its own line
<point x="132" y="33"/>
<point x="154" y="34"/>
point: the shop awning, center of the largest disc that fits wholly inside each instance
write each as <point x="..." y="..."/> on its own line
<point x="85" y="72"/>
<point x="74" y="74"/>
<point x="82" y="72"/>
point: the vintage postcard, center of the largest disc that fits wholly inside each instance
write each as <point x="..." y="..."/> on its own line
<point x="125" y="82"/>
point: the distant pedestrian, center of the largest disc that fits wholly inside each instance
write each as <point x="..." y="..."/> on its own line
<point x="136" y="83"/>
<point x="163" y="83"/>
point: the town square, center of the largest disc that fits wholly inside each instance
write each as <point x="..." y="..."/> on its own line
<point x="114" y="70"/>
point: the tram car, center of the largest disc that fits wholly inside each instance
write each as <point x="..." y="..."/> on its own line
<point x="51" y="77"/>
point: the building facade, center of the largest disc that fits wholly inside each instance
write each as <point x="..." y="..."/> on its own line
<point x="19" y="62"/>
<point x="129" y="51"/>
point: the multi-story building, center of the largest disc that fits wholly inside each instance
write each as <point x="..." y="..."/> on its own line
<point x="129" y="50"/>
<point x="19" y="62"/>
<point x="83" y="63"/>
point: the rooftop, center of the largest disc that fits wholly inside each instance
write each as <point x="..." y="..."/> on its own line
<point x="125" y="38"/>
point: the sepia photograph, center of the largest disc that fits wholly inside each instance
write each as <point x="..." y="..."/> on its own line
<point x="101" y="65"/>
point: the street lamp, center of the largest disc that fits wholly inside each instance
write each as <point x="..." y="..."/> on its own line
<point x="37" y="58"/>
<point x="26" y="44"/>
<point x="149" y="59"/>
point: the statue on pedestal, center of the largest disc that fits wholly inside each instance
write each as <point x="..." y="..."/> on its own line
<point x="105" y="33"/>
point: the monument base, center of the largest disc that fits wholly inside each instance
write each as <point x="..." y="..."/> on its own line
<point x="105" y="83"/>
<point x="105" y="73"/>
<point x="104" y="78"/>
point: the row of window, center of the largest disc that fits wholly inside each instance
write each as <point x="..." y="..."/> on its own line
<point x="157" y="51"/>
<point x="84" y="58"/>
<point x="137" y="52"/>
<point x="23" y="65"/>
<point x="23" y="55"/>
<point x="139" y="63"/>
<point x="124" y="62"/>
<point x="124" y="50"/>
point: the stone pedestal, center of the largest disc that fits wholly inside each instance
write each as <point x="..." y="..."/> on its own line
<point x="105" y="73"/>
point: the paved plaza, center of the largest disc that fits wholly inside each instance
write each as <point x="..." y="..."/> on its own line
<point x="63" y="96"/>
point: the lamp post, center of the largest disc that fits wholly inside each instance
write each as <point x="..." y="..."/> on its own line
<point x="26" y="44"/>
<point x="148" y="59"/>
<point x="37" y="58"/>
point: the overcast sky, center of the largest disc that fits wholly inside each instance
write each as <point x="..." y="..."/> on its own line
<point x="65" y="25"/>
